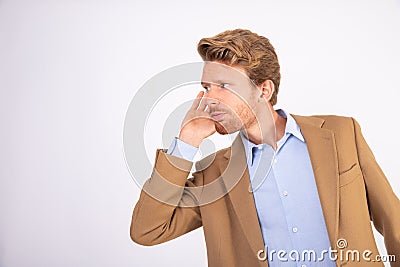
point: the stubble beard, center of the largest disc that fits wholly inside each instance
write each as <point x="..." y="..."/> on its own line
<point x="243" y="120"/>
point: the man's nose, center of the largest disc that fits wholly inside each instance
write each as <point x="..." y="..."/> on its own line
<point x="213" y="96"/>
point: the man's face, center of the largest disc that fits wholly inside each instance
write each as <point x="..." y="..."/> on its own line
<point x="230" y="96"/>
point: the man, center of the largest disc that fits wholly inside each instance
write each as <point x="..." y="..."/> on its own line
<point x="291" y="190"/>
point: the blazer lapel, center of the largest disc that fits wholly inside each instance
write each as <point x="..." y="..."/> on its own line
<point x="323" y="155"/>
<point x="236" y="179"/>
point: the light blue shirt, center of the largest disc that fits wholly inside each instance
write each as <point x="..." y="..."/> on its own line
<point x="286" y="198"/>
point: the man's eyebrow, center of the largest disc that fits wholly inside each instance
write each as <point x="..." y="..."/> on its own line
<point x="216" y="82"/>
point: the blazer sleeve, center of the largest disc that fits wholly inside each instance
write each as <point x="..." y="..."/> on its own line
<point x="384" y="205"/>
<point x="168" y="202"/>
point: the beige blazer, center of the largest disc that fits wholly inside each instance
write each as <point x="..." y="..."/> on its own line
<point x="352" y="188"/>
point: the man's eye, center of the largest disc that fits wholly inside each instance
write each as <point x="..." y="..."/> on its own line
<point x="221" y="85"/>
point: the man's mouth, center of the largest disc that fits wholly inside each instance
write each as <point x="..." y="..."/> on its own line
<point x="217" y="116"/>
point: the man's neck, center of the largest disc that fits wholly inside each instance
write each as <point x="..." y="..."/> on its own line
<point x="269" y="133"/>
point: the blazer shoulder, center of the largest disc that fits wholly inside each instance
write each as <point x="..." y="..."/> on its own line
<point x="337" y="122"/>
<point x="332" y="117"/>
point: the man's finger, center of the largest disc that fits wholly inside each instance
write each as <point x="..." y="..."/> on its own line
<point x="197" y="101"/>
<point x="203" y="104"/>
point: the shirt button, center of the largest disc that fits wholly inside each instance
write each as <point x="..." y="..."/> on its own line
<point x="294" y="229"/>
<point x="303" y="265"/>
<point x="275" y="160"/>
<point x="285" y="193"/>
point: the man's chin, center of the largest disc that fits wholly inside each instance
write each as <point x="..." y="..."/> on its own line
<point x="223" y="130"/>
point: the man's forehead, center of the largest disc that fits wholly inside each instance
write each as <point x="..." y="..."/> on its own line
<point x="214" y="72"/>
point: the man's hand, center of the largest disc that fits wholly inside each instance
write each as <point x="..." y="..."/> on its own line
<point x="197" y="124"/>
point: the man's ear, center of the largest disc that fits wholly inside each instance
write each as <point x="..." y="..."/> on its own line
<point x="267" y="89"/>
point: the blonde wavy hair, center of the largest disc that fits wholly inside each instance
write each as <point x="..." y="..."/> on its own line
<point x="252" y="52"/>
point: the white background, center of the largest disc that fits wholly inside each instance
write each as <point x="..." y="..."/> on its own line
<point x="69" y="69"/>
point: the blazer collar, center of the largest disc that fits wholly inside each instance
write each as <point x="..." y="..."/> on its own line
<point x="323" y="155"/>
<point x="236" y="179"/>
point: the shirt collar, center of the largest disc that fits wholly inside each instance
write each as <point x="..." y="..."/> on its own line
<point x="291" y="125"/>
<point x="248" y="148"/>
